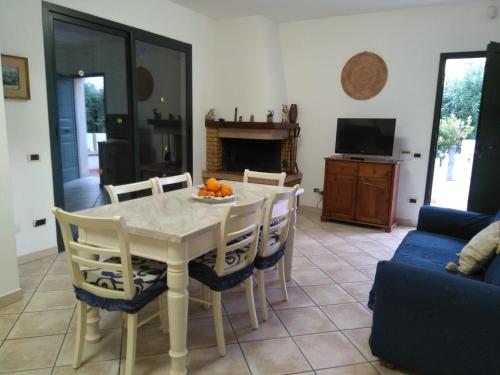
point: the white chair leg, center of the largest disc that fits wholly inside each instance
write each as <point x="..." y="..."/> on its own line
<point x="205" y="295"/>
<point x="81" y="325"/>
<point x="262" y="294"/>
<point x="251" y="302"/>
<point x="219" y="325"/>
<point x="281" y="268"/>
<point x="131" y="344"/>
<point x="163" y="312"/>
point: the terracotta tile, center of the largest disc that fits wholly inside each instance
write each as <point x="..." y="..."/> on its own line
<point x="349" y="315"/>
<point x="359" y="337"/>
<point x="325" y="350"/>
<point x="328" y="294"/>
<point x="27" y="354"/>
<point x="359" y="290"/>
<point x="7" y="321"/>
<point x="276" y="356"/>
<point x="97" y="368"/>
<point x="269" y="329"/>
<point x="41" y="324"/>
<point x="201" y="333"/>
<point x="208" y="361"/>
<point x="361" y="369"/>
<point x="296" y="298"/>
<point x="311" y="277"/>
<point x="53" y="300"/>
<point x="305" y="321"/>
<point x="55" y="282"/>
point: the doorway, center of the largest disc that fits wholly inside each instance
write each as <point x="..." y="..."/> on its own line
<point x="458" y="103"/>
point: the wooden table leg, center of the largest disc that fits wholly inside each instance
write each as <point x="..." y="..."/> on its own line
<point x="92" y="333"/>
<point x="178" y="296"/>
<point x="289" y="242"/>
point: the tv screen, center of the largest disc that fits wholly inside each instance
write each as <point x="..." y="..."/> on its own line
<point x="365" y="136"/>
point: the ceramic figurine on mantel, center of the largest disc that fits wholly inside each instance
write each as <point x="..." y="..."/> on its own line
<point x="292" y="113"/>
<point x="210" y="116"/>
<point x="252" y="118"/>
<point x="240" y="119"/>
<point x="284" y="113"/>
<point x="270" y="115"/>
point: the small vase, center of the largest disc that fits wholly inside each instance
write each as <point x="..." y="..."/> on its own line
<point x="292" y="113"/>
<point x="270" y="118"/>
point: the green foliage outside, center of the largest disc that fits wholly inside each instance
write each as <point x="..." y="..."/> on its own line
<point x="452" y="131"/>
<point x="94" y="105"/>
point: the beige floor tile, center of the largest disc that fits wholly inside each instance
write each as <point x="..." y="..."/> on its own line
<point x="17" y="307"/>
<point x="305" y="321"/>
<point x="358" y="259"/>
<point x="273" y="357"/>
<point x="201" y="333"/>
<point x="368" y="271"/>
<point x="328" y="294"/>
<point x="197" y="310"/>
<point x="316" y="249"/>
<point x="302" y="263"/>
<point x="311" y="277"/>
<point x="53" y="300"/>
<point x="387" y="371"/>
<point x="41" y="324"/>
<point x="296" y="298"/>
<point x="37" y="267"/>
<point x="361" y="369"/>
<point x="27" y="354"/>
<point x="272" y="280"/>
<point x="342" y="248"/>
<point x="327" y="261"/>
<point x="39" y="371"/>
<point x="208" y="362"/>
<point x="29" y="282"/>
<point x="106" y="349"/>
<point x="270" y="329"/>
<point x="349" y="315"/>
<point x="345" y="273"/>
<point x="325" y="350"/>
<point x="359" y="290"/>
<point x="97" y="368"/>
<point x="55" y="282"/>
<point x="359" y="337"/>
<point x="150" y="341"/>
<point x="7" y="321"/>
<point x="236" y="302"/>
<point x="150" y="365"/>
<point x="108" y="320"/>
<point x="60" y="267"/>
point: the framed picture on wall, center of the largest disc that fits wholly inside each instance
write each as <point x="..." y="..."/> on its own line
<point x="15" y="75"/>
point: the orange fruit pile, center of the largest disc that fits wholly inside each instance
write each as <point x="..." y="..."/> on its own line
<point x="212" y="188"/>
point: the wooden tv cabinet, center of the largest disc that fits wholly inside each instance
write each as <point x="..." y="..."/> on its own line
<point x="360" y="191"/>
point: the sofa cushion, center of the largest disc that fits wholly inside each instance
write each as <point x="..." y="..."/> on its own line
<point x="480" y="249"/>
<point x="492" y="274"/>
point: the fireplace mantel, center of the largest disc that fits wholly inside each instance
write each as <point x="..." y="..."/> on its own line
<point x="252" y="130"/>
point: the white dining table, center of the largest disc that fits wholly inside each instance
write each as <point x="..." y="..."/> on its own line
<point x="174" y="228"/>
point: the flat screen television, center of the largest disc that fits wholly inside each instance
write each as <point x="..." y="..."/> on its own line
<point x="365" y="136"/>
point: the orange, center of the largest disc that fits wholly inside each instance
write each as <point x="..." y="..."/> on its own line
<point x="202" y="192"/>
<point x="226" y="190"/>
<point x="210" y="194"/>
<point x="213" y="185"/>
<point x="218" y="194"/>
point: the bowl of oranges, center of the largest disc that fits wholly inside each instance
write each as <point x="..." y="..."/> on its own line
<point x="214" y="192"/>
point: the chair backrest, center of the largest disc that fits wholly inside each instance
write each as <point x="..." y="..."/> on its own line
<point x="160" y="182"/>
<point x="239" y="229"/>
<point x="264" y="177"/>
<point x="115" y="191"/>
<point x="279" y="208"/>
<point x="83" y="256"/>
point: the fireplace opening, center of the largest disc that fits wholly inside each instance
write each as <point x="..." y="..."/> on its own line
<point x="257" y="155"/>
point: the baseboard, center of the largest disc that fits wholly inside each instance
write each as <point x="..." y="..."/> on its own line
<point x="36" y="255"/>
<point x="406" y="222"/>
<point x="310" y="209"/>
<point x="11" y="297"/>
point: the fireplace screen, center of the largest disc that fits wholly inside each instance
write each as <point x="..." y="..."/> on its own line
<point x="257" y="155"/>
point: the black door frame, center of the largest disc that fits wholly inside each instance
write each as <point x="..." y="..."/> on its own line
<point x="51" y="12"/>
<point x="437" y="113"/>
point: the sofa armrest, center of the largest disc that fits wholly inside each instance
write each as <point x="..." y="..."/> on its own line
<point x="435" y="322"/>
<point x="450" y="222"/>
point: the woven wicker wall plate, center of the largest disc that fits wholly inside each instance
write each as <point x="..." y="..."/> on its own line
<point x="145" y="84"/>
<point x="364" y="75"/>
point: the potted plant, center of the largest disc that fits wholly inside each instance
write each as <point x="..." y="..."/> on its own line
<point x="270" y="115"/>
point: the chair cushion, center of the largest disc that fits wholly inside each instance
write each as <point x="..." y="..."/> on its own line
<point x="146" y="273"/>
<point x="265" y="262"/>
<point x="233" y="258"/>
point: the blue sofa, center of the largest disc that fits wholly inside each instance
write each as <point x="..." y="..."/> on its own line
<point x="432" y="321"/>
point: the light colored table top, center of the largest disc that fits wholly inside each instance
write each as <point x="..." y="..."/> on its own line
<point x="175" y="215"/>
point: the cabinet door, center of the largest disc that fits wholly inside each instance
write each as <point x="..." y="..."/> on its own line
<point x="340" y="200"/>
<point x="373" y="200"/>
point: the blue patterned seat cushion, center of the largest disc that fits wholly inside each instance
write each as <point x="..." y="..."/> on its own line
<point x="268" y="261"/>
<point x="146" y="273"/>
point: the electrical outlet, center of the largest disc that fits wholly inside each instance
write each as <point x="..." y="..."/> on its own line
<point x="413" y="200"/>
<point x="33" y="157"/>
<point x="417" y="155"/>
<point x="39" y="222"/>
<point x="316" y="190"/>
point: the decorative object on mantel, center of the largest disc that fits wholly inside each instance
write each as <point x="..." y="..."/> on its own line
<point x="210" y="116"/>
<point x="270" y="115"/>
<point x="235" y="114"/>
<point x="252" y="118"/>
<point x="16" y="84"/>
<point x="240" y="119"/>
<point x="284" y="113"/>
<point x="222" y="119"/>
<point x="292" y="113"/>
<point x="364" y="76"/>
<point x="145" y="84"/>
<point x="156" y="114"/>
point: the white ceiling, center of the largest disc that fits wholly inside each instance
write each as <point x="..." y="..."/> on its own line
<point x="293" y="10"/>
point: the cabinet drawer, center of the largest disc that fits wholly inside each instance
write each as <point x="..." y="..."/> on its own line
<point x="342" y="167"/>
<point x="375" y="170"/>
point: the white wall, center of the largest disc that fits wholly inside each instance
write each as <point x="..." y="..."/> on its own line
<point x="8" y="263"/>
<point x="410" y="41"/>
<point x="248" y="69"/>
<point x="27" y="121"/>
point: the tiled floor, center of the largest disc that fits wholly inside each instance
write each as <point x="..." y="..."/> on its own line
<point x="84" y="193"/>
<point x="322" y="329"/>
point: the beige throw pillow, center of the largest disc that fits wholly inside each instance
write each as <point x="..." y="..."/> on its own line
<point x="480" y="249"/>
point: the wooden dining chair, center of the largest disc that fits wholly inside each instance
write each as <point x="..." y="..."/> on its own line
<point x="160" y="182"/>
<point x="274" y="234"/>
<point x="264" y="177"/>
<point x="115" y="191"/>
<point x="231" y="263"/>
<point x="107" y="277"/>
